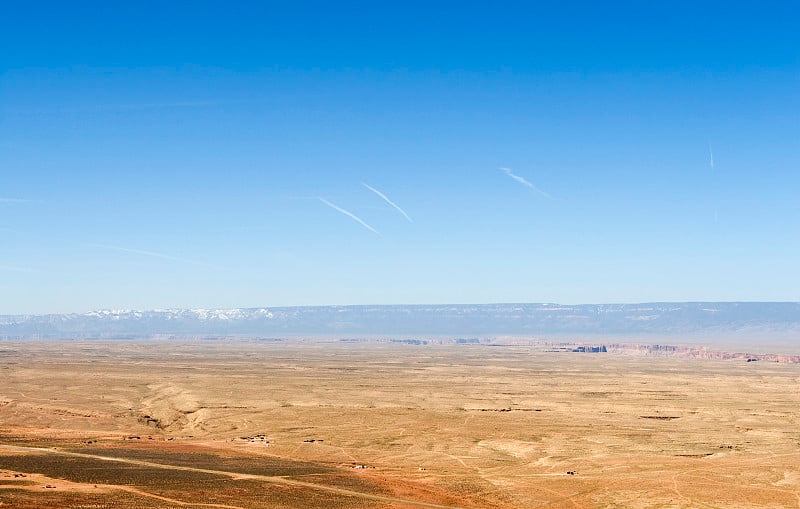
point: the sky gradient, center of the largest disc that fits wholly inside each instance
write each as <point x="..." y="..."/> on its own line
<point x="203" y="155"/>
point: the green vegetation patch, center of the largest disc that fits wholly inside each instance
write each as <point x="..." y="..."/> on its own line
<point x="95" y="471"/>
<point x="259" y="465"/>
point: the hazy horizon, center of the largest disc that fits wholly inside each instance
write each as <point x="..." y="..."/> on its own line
<point x="397" y="304"/>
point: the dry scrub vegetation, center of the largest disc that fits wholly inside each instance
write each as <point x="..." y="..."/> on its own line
<point x="328" y="424"/>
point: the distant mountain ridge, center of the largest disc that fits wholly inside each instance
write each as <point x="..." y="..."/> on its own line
<point x="472" y="319"/>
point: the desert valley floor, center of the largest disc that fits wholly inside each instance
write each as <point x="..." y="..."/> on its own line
<point x="330" y="424"/>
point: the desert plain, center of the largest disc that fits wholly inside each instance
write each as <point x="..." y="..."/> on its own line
<point x="371" y="424"/>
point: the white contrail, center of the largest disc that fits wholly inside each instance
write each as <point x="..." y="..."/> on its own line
<point x="350" y="215"/>
<point x="11" y="268"/>
<point x="133" y="107"/>
<point x="152" y="254"/>
<point x="387" y="200"/>
<point x="524" y="182"/>
<point x="14" y="200"/>
<point x="711" y="157"/>
<point x="711" y="164"/>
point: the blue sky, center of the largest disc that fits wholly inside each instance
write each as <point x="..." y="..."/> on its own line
<point x="159" y="156"/>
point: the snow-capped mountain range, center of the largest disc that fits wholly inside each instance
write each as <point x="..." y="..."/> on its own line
<point x="477" y="319"/>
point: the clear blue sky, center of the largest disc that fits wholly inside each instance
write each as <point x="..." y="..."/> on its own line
<point x="175" y="155"/>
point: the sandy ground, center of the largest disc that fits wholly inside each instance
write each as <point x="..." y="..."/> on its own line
<point x="454" y="426"/>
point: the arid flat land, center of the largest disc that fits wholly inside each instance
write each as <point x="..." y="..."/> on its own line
<point x="307" y="424"/>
